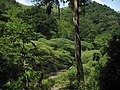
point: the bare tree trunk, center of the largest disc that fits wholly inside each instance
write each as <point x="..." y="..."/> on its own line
<point x="80" y="75"/>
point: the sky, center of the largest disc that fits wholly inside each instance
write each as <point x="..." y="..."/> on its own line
<point x="28" y="2"/>
<point x="114" y="4"/>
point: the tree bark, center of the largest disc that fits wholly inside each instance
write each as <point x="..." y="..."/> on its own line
<point x="80" y="75"/>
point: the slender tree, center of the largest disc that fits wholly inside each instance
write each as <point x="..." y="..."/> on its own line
<point x="80" y="75"/>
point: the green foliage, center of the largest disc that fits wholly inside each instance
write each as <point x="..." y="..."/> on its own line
<point x="48" y="83"/>
<point x="34" y="44"/>
<point x="98" y="20"/>
<point x="41" y="22"/>
<point x="86" y="46"/>
<point x="65" y="30"/>
<point x="91" y="69"/>
<point x="38" y="56"/>
<point x="102" y="39"/>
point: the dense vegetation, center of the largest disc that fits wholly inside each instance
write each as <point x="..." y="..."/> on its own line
<point x="37" y="49"/>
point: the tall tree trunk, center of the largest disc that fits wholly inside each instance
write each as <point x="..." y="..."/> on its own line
<point x="80" y="75"/>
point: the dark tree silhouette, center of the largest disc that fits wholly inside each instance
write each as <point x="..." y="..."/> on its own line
<point x="110" y="74"/>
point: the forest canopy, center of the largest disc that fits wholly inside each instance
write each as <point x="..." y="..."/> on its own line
<point x="37" y="49"/>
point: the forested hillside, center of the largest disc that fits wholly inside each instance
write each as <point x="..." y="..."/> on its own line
<point x="37" y="48"/>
